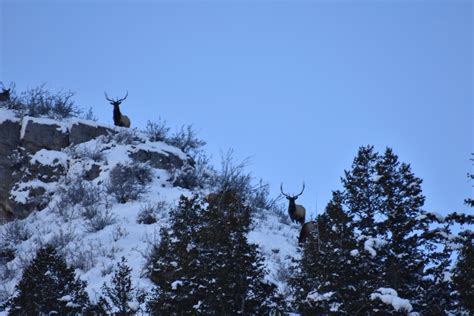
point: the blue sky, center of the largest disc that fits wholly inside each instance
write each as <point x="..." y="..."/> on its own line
<point x="297" y="86"/>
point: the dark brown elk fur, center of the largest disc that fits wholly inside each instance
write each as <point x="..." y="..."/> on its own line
<point x="306" y="230"/>
<point x="119" y="118"/>
<point x="296" y="212"/>
<point x="5" y="95"/>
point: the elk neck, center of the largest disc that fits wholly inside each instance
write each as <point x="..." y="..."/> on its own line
<point x="117" y="114"/>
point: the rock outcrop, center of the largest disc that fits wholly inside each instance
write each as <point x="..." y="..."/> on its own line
<point x="34" y="155"/>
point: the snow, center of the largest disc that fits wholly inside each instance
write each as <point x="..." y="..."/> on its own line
<point x="376" y="178"/>
<point x="373" y="243"/>
<point x="8" y="115"/>
<point x="176" y="284"/>
<point x="314" y="296"/>
<point x="50" y="158"/>
<point x="98" y="252"/>
<point x="440" y="218"/>
<point x="354" y="252"/>
<point x="390" y="297"/>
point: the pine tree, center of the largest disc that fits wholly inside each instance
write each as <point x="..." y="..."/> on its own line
<point x="464" y="276"/>
<point x="208" y="266"/>
<point x="121" y="292"/>
<point x="326" y="280"/>
<point x="400" y="210"/>
<point x="175" y="264"/>
<point x="48" y="285"/>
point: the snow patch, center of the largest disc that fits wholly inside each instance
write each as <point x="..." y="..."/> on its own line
<point x="390" y="297"/>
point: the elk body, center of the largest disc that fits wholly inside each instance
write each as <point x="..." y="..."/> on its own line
<point x="119" y="118"/>
<point x="306" y="230"/>
<point x="5" y="95"/>
<point x="297" y="212"/>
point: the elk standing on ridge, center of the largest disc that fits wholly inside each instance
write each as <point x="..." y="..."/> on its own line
<point x="119" y="119"/>
<point x="297" y="212"/>
<point x="5" y="95"/>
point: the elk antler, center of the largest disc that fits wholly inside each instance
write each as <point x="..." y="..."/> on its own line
<point x="301" y="191"/>
<point x="281" y="189"/>
<point x="118" y="101"/>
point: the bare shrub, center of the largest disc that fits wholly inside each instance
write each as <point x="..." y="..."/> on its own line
<point x="89" y="115"/>
<point x="129" y="182"/>
<point x="193" y="177"/>
<point x="232" y="176"/>
<point x="119" y="232"/>
<point x="102" y="219"/>
<point x="186" y="140"/>
<point x="40" y="102"/>
<point x="157" y="131"/>
<point x="83" y="256"/>
<point x="127" y="136"/>
<point x="95" y="154"/>
<point x="63" y="238"/>
<point x="78" y="197"/>
<point x="14" y="233"/>
<point x="148" y="213"/>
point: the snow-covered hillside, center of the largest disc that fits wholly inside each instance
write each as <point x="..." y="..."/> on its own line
<point x="94" y="251"/>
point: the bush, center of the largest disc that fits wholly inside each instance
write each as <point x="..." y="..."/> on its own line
<point x="157" y="131"/>
<point x="100" y="220"/>
<point x="197" y="176"/>
<point x="186" y="140"/>
<point x="149" y="212"/>
<point x="14" y="233"/>
<point x="126" y="136"/>
<point x="129" y="182"/>
<point x="78" y="197"/>
<point x="39" y="102"/>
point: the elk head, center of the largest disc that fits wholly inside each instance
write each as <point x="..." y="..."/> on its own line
<point x="297" y="212"/>
<point x="119" y="118"/>
<point x="5" y="95"/>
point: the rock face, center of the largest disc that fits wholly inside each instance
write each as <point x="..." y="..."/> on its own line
<point x="34" y="156"/>
<point x="9" y="143"/>
<point x="46" y="135"/>
<point x="20" y="140"/>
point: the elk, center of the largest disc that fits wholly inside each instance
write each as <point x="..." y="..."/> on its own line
<point x="5" y="95"/>
<point x="306" y="230"/>
<point x="297" y="212"/>
<point x="119" y="119"/>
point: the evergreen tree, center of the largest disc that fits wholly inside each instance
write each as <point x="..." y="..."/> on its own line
<point x="370" y="238"/>
<point x="464" y="276"/>
<point x="400" y="226"/>
<point x="175" y="265"/>
<point x="121" y="292"/>
<point x="48" y="285"/>
<point x="326" y="279"/>
<point x="213" y="269"/>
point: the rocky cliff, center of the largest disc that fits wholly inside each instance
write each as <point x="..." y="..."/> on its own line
<point x="35" y="153"/>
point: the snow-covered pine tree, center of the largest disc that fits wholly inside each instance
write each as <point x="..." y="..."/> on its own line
<point x="327" y="278"/>
<point x="235" y="274"/>
<point x="400" y="208"/>
<point x="437" y="287"/>
<point x="464" y="276"/>
<point x="174" y="263"/>
<point x="48" y="286"/>
<point x="204" y="263"/>
<point x="121" y="293"/>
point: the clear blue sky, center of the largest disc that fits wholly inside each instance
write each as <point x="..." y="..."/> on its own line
<point x="296" y="85"/>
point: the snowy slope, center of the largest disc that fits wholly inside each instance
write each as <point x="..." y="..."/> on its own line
<point x="95" y="254"/>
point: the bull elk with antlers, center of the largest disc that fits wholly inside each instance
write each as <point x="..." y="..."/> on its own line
<point x="297" y="212"/>
<point x="5" y="95"/>
<point x="119" y="118"/>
